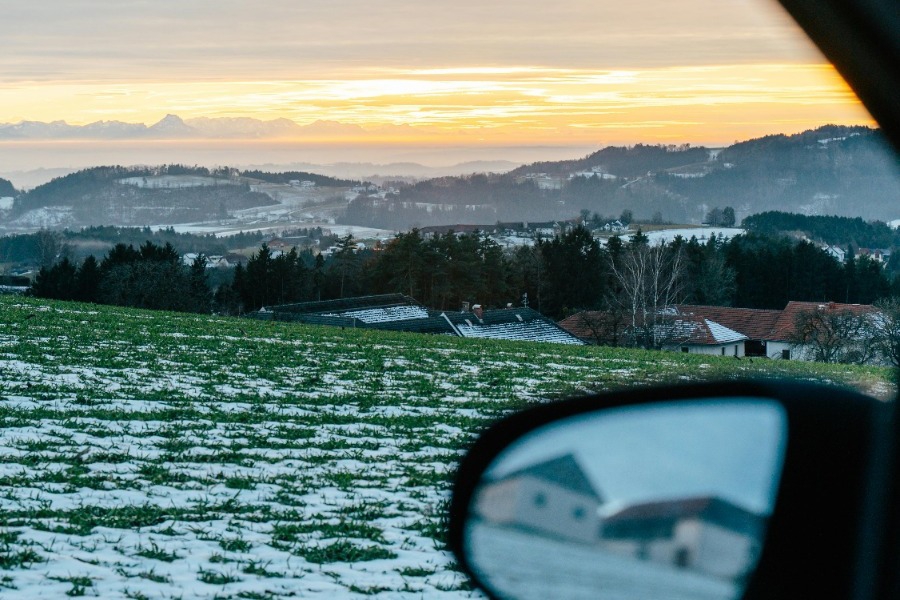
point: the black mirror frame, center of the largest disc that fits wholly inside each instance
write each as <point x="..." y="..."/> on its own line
<point x="827" y="533"/>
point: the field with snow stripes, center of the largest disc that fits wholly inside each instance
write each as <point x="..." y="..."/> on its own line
<point x="159" y="455"/>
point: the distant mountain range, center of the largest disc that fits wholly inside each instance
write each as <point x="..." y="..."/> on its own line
<point x="832" y="170"/>
<point x="174" y="127"/>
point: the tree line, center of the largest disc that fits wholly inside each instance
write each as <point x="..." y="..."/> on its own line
<point x="635" y="279"/>
<point x="151" y="277"/>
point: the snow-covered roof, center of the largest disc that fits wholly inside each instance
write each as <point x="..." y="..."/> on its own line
<point x="383" y="314"/>
<point x="700" y="331"/>
<point x="530" y="331"/>
<point x="722" y="334"/>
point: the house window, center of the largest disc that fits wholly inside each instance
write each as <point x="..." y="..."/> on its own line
<point x="786" y="354"/>
<point x="684" y="349"/>
<point x="540" y="500"/>
<point x="723" y="351"/>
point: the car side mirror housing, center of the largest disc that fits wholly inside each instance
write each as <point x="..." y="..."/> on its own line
<point x="718" y="491"/>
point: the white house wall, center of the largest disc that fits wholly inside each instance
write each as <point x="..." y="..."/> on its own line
<point x="710" y="349"/>
<point x="541" y="506"/>
<point x="716" y="550"/>
<point x="497" y="502"/>
<point x="558" y="515"/>
<point x="710" y="549"/>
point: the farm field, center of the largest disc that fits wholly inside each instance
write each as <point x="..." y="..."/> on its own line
<point x="162" y="455"/>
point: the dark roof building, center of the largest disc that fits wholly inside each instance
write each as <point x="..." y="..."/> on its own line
<point x="396" y="312"/>
<point x="651" y="520"/>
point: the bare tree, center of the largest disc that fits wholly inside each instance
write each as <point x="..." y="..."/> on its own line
<point x="836" y="336"/>
<point x="603" y="327"/>
<point x="887" y="330"/>
<point x="51" y="247"/>
<point x="651" y="279"/>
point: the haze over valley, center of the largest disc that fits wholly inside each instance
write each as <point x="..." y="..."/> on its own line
<point x="845" y="171"/>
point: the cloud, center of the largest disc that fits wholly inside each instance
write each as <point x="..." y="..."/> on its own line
<point x="523" y="68"/>
<point x="169" y="40"/>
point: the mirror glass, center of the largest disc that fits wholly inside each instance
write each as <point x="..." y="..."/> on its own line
<point x="666" y="500"/>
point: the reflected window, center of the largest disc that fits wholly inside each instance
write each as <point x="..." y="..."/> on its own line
<point x="540" y="500"/>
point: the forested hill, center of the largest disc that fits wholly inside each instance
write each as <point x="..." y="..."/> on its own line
<point x="832" y="170"/>
<point x="135" y="196"/>
<point x="842" y="231"/>
<point x="129" y="196"/>
<point x="288" y="176"/>
<point x="632" y="161"/>
<point x="6" y="189"/>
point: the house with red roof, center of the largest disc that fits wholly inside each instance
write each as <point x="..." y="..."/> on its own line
<point x="783" y="339"/>
<point x="756" y="324"/>
<point x="689" y="333"/>
<point x="721" y="330"/>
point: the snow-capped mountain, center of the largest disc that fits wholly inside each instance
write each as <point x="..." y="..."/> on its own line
<point x="174" y="127"/>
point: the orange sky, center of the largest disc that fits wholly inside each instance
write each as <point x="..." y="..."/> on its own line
<point x="579" y="72"/>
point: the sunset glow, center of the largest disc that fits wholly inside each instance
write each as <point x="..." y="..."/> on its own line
<point x="512" y="72"/>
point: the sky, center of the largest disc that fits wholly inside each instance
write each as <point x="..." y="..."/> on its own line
<point x="729" y="448"/>
<point x="570" y="72"/>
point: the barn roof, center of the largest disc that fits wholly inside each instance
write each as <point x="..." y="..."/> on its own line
<point x="396" y="312"/>
<point x="347" y="304"/>
<point x="563" y="471"/>
<point x="710" y="509"/>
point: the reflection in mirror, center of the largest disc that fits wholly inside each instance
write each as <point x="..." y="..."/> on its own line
<point x="654" y="501"/>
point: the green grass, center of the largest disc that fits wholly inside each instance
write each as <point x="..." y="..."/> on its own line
<point x="267" y="458"/>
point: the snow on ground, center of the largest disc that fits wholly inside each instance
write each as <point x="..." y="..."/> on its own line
<point x="226" y="229"/>
<point x="151" y="455"/>
<point x="528" y="566"/>
<point x="701" y="233"/>
<point x="52" y="216"/>
<point x="174" y="181"/>
<point x="178" y="457"/>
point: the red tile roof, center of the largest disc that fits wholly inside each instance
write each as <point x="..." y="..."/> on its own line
<point x="755" y="323"/>
<point x="588" y="323"/>
<point x="784" y="327"/>
<point x="678" y="328"/>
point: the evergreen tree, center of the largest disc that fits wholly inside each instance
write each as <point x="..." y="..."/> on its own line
<point x="88" y="277"/>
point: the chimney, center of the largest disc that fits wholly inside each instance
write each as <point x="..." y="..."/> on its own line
<point x="465" y="307"/>
<point x="479" y="312"/>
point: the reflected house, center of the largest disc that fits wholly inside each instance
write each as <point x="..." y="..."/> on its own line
<point x="552" y="498"/>
<point x="705" y="534"/>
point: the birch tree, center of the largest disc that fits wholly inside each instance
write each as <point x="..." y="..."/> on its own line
<point x="650" y="277"/>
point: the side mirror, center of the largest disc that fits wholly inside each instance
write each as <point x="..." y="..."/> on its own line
<point x="712" y="491"/>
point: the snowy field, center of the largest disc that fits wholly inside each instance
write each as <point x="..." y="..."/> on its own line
<point x="223" y="231"/>
<point x="701" y="233"/>
<point x="532" y="567"/>
<point x="157" y="455"/>
<point x="174" y="181"/>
